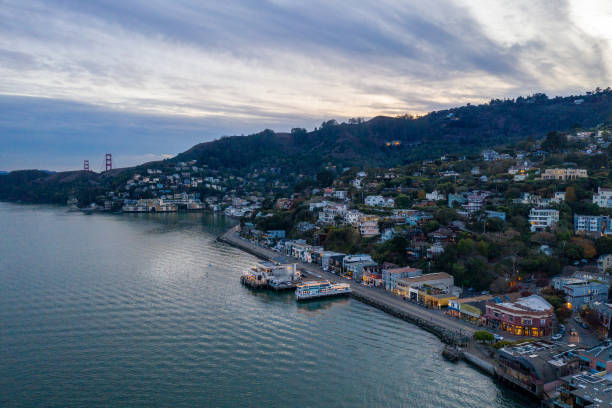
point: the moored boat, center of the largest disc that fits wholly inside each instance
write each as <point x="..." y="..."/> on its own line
<point x="317" y="289"/>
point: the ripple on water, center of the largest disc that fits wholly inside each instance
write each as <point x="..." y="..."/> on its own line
<point x="147" y="311"/>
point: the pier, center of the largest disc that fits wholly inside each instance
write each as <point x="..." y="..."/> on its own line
<point x="450" y="331"/>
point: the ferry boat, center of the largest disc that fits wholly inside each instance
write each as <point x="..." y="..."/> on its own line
<point x="317" y="289"/>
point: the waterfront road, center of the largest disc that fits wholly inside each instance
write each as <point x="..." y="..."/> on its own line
<point x="376" y="294"/>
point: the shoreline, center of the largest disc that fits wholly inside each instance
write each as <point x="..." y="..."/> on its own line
<point x="458" y="334"/>
<point x="453" y="332"/>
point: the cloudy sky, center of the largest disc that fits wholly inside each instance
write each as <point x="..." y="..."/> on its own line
<point x="147" y="78"/>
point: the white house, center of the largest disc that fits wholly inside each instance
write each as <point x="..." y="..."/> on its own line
<point x="379" y="201"/>
<point x="435" y="196"/>
<point x="542" y="218"/>
<point x="374" y="201"/>
<point x="603" y="198"/>
<point x="352" y="217"/>
<point x="340" y="194"/>
<point x="369" y="229"/>
<point x="327" y="217"/>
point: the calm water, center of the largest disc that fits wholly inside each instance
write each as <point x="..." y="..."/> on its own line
<point x="107" y="310"/>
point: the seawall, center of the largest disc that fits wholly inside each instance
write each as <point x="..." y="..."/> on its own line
<point x="450" y="331"/>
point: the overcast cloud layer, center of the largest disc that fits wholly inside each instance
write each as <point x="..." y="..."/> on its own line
<point x="143" y="78"/>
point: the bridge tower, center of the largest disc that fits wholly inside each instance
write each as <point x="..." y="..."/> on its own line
<point x="109" y="161"/>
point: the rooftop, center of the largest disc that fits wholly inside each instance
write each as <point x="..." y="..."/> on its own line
<point x="428" y="277"/>
<point x="533" y="303"/>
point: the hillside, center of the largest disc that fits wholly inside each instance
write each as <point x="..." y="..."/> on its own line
<point x="381" y="141"/>
<point x="457" y="130"/>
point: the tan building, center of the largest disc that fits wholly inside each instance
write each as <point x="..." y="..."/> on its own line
<point x="564" y="174"/>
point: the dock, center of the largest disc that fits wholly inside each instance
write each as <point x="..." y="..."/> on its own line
<point x="450" y="331"/>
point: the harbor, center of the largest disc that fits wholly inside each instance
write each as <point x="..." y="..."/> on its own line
<point x="450" y="331"/>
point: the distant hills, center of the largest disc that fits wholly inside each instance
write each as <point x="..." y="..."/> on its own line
<point x="381" y="141"/>
<point x="387" y="141"/>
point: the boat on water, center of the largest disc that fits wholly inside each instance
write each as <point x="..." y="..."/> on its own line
<point x="317" y="289"/>
<point x="73" y="204"/>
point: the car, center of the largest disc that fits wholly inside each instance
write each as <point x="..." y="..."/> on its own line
<point x="562" y="327"/>
<point x="497" y="337"/>
<point x="557" y="336"/>
<point x="577" y="319"/>
<point x="584" y="325"/>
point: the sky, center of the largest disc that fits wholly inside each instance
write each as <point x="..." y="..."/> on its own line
<point x="147" y="79"/>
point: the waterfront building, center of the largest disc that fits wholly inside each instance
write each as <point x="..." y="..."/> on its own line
<point x="272" y="274"/>
<point x="433" y="290"/>
<point x="603" y="198"/>
<point x="584" y="390"/>
<point x="542" y="218"/>
<point x="536" y="367"/>
<point x="471" y="309"/>
<point x="528" y="316"/>
<point x="357" y="270"/>
<point x="592" y="224"/>
<point x="564" y="174"/>
<point x="390" y="276"/>
<point x="351" y="262"/>
<point x="335" y="263"/>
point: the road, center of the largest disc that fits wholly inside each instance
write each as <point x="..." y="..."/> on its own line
<point x="375" y="294"/>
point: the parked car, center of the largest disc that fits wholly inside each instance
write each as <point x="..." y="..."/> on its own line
<point x="578" y="319"/>
<point x="584" y="325"/>
<point x="557" y="336"/>
<point x="562" y="328"/>
<point x="497" y="337"/>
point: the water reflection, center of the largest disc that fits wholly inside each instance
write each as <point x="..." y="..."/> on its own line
<point x="317" y="306"/>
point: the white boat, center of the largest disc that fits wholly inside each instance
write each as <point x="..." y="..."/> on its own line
<point x="317" y="289"/>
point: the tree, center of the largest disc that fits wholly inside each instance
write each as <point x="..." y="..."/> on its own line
<point x="586" y="245"/>
<point x="465" y="246"/>
<point x="604" y="245"/>
<point x="325" y="178"/>
<point x="555" y="141"/>
<point x="483" y="249"/>
<point x="570" y="194"/>
<point x="483" y="336"/>
<point x="446" y="215"/>
<point x="403" y="201"/>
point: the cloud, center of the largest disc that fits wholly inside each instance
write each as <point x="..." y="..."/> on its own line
<point x="244" y="65"/>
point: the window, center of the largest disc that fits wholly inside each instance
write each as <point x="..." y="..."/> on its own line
<point x="527" y="322"/>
